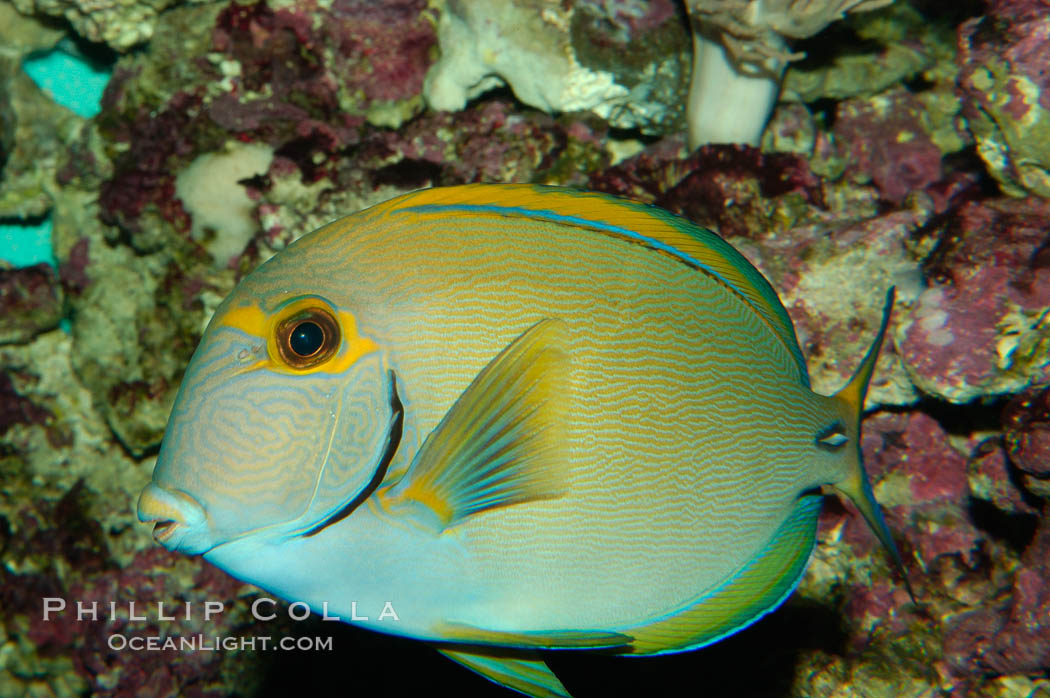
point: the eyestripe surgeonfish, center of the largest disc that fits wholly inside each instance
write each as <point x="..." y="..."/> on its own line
<point x="523" y="417"/>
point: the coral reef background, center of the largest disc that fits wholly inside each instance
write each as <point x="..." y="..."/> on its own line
<point x="910" y="147"/>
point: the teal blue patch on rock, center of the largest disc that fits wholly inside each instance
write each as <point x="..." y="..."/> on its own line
<point x="25" y="243"/>
<point x="73" y="81"/>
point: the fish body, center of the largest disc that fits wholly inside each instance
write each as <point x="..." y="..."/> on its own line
<point x="517" y="416"/>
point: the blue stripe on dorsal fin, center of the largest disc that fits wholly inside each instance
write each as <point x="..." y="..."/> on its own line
<point x="647" y="225"/>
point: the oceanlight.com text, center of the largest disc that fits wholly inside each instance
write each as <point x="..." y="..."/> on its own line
<point x="120" y="642"/>
<point x="263" y="609"/>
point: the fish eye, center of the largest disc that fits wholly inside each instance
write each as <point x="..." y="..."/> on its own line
<point x="307" y="338"/>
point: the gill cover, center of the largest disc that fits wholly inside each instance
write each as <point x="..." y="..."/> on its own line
<point x="282" y="418"/>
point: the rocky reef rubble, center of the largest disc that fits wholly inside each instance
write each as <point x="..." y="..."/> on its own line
<point x="924" y="174"/>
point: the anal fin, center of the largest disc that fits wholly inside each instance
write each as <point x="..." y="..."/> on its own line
<point x="522" y="671"/>
<point x="534" y="639"/>
<point x="755" y="590"/>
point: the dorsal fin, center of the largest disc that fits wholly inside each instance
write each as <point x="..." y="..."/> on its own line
<point x="647" y="225"/>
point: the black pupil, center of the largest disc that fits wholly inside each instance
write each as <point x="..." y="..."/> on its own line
<point x="306" y="338"/>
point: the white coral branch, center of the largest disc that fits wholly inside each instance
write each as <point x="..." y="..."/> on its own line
<point x="749" y="24"/>
<point x="745" y="41"/>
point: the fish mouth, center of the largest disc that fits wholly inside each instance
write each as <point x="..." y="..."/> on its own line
<point x="179" y="521"/>
<point x="164" y="530"/>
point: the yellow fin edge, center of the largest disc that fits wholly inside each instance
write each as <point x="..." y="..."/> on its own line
<point x="856" y="484"/>
<point x="756" y="590"/>
<point x="522" y="671"/>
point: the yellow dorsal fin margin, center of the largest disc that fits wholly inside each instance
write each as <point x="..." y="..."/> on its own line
<point x="624" y="219"/>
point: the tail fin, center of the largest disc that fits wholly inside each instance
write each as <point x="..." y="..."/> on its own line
<point x="856" y="485"/>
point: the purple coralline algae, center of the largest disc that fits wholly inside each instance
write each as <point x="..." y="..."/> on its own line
<point x="993" y="479"/>
<point x="911" y="152"/>
<point x="1010" y="633"/>
<point x="1026" y="435"/>
<point x="1004" y="86"/>
<point x="923" y="486"/>
<point x="301" y="79"/>
<point x="15" y="408"/>
<point x="32" y="301"/>
<point x="989" y="291"/>
<point x="883" y="138"/>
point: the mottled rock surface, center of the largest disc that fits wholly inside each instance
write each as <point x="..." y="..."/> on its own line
<point x="626" y="62"/>
<point x="122" y="24"/>
<point x="1004" y="87"/>
<point x="980" y="326"/>
<point x="32" y="301"/>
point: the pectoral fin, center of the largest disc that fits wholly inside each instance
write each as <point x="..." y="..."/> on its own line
<point x="502" y="441"/>
<point x="521" y="671"/>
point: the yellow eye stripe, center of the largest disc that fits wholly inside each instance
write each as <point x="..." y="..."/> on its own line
<point x="252" y="320"/>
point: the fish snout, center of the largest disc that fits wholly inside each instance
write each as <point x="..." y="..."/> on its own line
<point x="180" y="521"/>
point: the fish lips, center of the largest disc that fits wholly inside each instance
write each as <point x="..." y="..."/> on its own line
<point x="179" y="520"/>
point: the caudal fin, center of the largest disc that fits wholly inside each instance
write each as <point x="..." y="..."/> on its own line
<point x="856" y="485"/>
